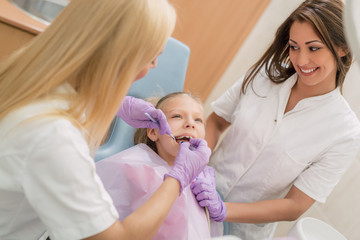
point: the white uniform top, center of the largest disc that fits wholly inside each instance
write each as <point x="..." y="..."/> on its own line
<point x="132" y="176"/>
<point x="48" y="179"/>
<point x="266" y="151"/>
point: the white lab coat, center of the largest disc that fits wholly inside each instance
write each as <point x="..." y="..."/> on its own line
<point x="266" y="151"/>
<point x="132" y="176"/>
<point x="47" y="178"/>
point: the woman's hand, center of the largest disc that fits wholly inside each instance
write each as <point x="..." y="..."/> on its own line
<point x="204" y="188"/>
<point x="191" y="159"/>
<point x="133" y="110"/>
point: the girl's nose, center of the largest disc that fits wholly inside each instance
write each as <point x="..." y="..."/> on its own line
<point x="189" y="124"/>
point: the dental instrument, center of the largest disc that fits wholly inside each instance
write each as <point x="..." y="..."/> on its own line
<point x="153" y="120"/>
<point x="208" y="217"/>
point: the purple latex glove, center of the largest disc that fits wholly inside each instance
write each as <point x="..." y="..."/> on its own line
<point x="133" y="110"/>
<point x="191" y="159"/>
<point x="204" y="188"/>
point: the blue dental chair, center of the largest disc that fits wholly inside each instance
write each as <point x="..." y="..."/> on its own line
<point x="167" y="77"/>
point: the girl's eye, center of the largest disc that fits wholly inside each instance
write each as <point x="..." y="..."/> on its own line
<point x="176" y="116"/>
<point x="199" y="120"/>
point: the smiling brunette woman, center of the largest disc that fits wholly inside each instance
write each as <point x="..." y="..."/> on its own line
<point x="292" y="134"/>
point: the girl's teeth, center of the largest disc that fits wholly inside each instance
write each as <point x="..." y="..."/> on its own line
<point x="308" y="71"/>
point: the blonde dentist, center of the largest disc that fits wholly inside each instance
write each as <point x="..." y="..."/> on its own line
<point x="58" y="96"/>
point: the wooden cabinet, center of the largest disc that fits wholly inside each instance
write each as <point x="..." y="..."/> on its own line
<point x="16" y="28"/>
<point x="214" y="30"/>
<point x="12" y="38"/>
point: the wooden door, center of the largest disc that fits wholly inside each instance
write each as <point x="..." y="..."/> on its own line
<point x="214" y="30"/>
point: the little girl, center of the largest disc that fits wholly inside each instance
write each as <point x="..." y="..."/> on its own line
<point x="133" y="175"/>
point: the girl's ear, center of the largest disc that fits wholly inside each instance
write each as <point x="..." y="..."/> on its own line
<point x="152" y="134"/>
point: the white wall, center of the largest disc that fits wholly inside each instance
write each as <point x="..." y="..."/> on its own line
<point x="342" y="208"/>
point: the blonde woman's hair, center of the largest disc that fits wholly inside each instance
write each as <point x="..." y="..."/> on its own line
<point x="97" y="46"/>
<point x="140" y="135"/>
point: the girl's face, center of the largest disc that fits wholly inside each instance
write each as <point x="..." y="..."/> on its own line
<point x="312" y="59"/>
<point x="186" y="119"/>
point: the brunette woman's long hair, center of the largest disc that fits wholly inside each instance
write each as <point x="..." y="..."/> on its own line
<point x="326" y="17"/>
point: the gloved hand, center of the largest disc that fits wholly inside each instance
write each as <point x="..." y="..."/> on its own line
<point x="191" y="159"/>
<point x="204" y="188"/>
<point x="133" y="110"/>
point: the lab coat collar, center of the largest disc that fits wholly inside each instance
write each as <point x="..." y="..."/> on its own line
<point x="293" y="79"/>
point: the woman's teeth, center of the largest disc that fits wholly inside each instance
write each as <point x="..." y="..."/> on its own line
<point x="308" y="70"/>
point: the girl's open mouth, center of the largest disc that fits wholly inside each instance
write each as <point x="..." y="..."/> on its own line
<point x="180" y="139"/>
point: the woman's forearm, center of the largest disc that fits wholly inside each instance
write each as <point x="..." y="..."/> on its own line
<point x="261" y="212"/>
<point x="286" y="209"/>
<point x="144" y="222"/>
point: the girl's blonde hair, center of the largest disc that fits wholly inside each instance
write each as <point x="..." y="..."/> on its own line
<point x="140" y="135"/>
<point x="97" y="46"/>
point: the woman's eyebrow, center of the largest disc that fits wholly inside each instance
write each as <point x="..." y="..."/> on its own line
<point x="314" y="41"/>
<point x="307" y="42"/>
